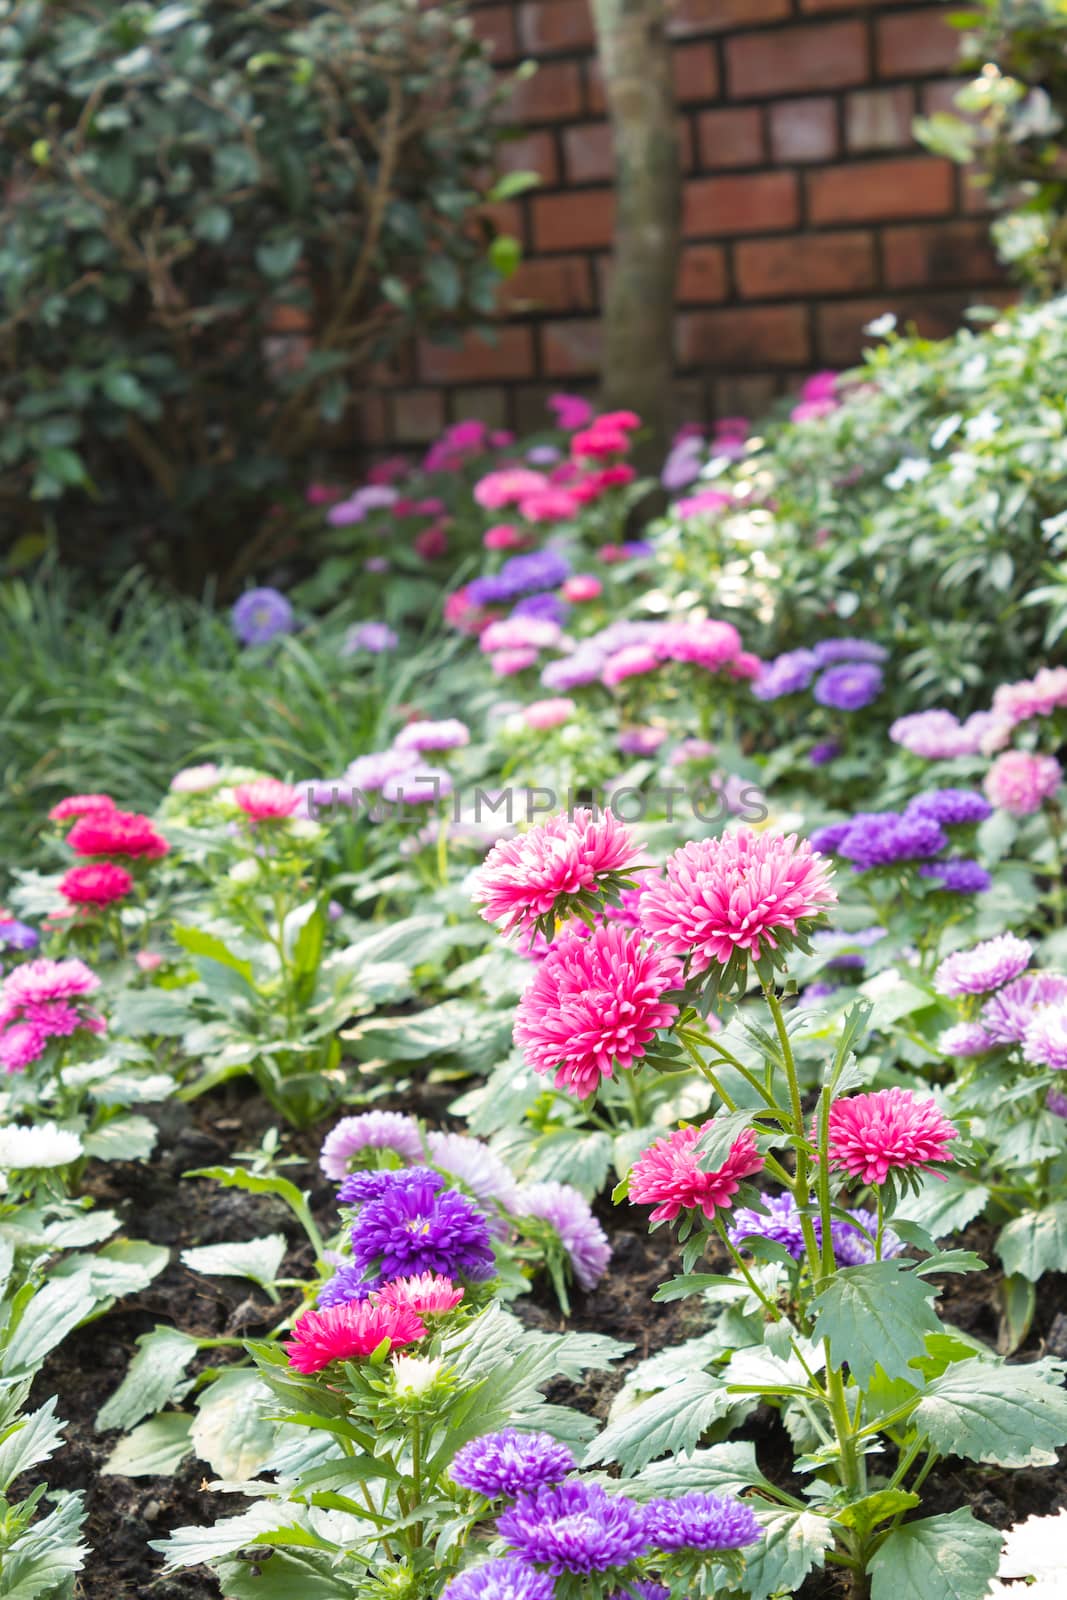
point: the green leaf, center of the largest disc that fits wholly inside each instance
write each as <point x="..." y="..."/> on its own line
<point x="512" y="184"/>
<point x="214" y="224"/>
<point x="32" y="1438"/>
<point x="153" y="1450"/>
<point x="713" y="1147"/>
<point x="124" y="389"/>
<point x="212" y="948"/>
<point x="722" y="1469"/>
<point x="663" y="1423"/>
<point x="166" y="1012"/>
<point x="232" y="1432"/>
<point x="1014" y="1416"/>
<point x="258" y="1259"/>
<point x="871" y="1509"/>
<point x="939" y="1558"/>
<point x="1036" y="1242"/>
<point x="944" y="1207"/>
<point x="876" y="1316"/>
<point x="131" y="1138"/>
<point x="505" y="255"/>
<point x="793" y="1543"/>
<point x="152" y="1379"/>
<point x="42" y="1560"/>
<point x="444" y="282"/>
<point x="188" y="1547"/>
<point x="126" y="1266"/>
<point x="54" y="1310"/>
<point x="281" y="1574"/>
<point x="278" y="257"/>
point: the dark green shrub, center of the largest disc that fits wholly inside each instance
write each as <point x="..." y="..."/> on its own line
<point x="182" y="184"/>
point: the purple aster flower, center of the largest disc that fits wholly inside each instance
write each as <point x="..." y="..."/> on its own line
<point x="507" y="1579"/>
<point x="826" y="840"/>
<point x="347" y="1283"/>
<point x="415" y="1228"/>
<point x="984" y="967"/>
<point x="780" y="1223"/>
<point x="449" y="734"/>
<point x="374" y="497"/>
<point x="374" y="637"/>
<point x="1056" y="1103"/>
<point x="372" y="1130"/>
<point x="840" y="945"/>
<point x="15" y="935"/>
<point x="422" y="786"/>
<point x="543" y="607"/>
<point x="849" y="687"/>
<point x="1007" y="1015"/>
<point x="1045" y="1040"/>
<point x="820" y="755"/>
<point x="851" y="1249"/>
<point x="476" y="1166"/>
<point x="510" y="1462"/>
<point x="525" y="574"/>
<point x="574" y="671"/>
<point x="370" y="1184"/>
<point x="829" y="652"/>
<point x="958" y="875"/>
<point x="952" y="808"/>
<point x="260" y="615"/>
<point x="786" y="674"/>
<point x="966" y="1039"/>
<point x="683" y="464"/>
<point x="699" y="1521"/>
<point x="647" y="1588"/>
<point x="575" y="1527"/>
<point x="643" y="741"/>
<point x="542" y="455"/>
<point x="882" y="838"/>
<point x="815" y="992"/>
<point x="580" y="1233"/>
<point x="636" y="549"/>
<point x="368" y="774"/>
<point x="691" y="750"/>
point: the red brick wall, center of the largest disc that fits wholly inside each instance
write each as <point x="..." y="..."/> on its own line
<point x="809" y="209"/>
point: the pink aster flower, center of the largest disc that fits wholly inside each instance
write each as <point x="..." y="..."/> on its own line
<point x="549" y="504"/>
<point x="1036" y="697"/>
<point x="49" y="980"/>
<point x="1045" y="1040"/>
<point x="54" y="1018"/>
<point x="349" y="1330"/>
<point x="196" y="780"/>
<point x="267" y="799"/>
<point x="544" y="714"/>
<point x="98" y="885"/>
<point x="535" y="874"/>
<point x="708" y="644"/>
<point x="117" y="833"/>
<point x="507" y="487"/>
<point x="984" y="967"/>
<point x="503" y="537"/>
<point x="20" y="1045"/>
<point x="738" y="892"/>
<point x="595" y="1002"/>
<point x="581" y="587"/>
<point x="966" y="1039"/>
<point x="428" y="1294"/>
<point x="571" y="411"/>
<point x="520" y="633"/>
<point x="874" y="1134"/>
<point x="80" y="805"/>
<point x="669" y="1177"/>
<point x="1020" y="783"/>
<point x="631" y="662"/>
<point x="702" y="504"/>
<point x="508" y="663"/>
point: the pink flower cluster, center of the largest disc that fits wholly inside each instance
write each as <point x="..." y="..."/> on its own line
<point x="818" y="398"/>
<point x="708" y="644"/>
<point x="669" y="1175"/>
<point x="98" y="885"/>
<point x="42" y="1000"/>
<point x="353" y="1329"/>
<point x="537" y="874"/>
<point x="109" y="832"/>
<point x="889" y="1130"/>
<point x="267" y="800"/>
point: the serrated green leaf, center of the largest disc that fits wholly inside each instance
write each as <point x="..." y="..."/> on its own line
<point x="944" y="1207"/>
<point x="938" y="1558"/>
<point x="793" y="1543"/>
<point x="876" y="1315"/>
<point x="129" y="1138"/>
<point x="152" y="1378"/>
<point x="231" y="1431"/>
<point x="664" y="1423"/>
<point x="284" y="1573"/>
<point x="32" y="1438"/>
<point x="1036" y="1242"/>
<point x="1014" y="1416"/>
<point x="152" y="1450"/>
<point x="257" y="1259"/>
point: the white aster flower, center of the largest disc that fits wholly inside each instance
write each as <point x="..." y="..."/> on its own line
<point x="413" y="1376"/>
<point x="22" y="1149"/>
<point x="1037" y="1548"/>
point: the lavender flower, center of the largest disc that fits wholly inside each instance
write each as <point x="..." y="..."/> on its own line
<point x="883" y="838"/>
<point x="786" y="674"/>
<point x="938" y="735"/>
<point x="839" y="944"/>
<point x="984" y="967"/>
<point x="347" y="1283"/>
<point x="476" y="1166"/>
<point x="850" y="687"/>
<point x="820" y="755"/>
<point x="510" y="1462"/>
<point x="958" y="875"/>
<point x="260" y="615"/>
<point x="525" y="574"/>
<point x="952" y="808"/>
<point x="15" y="935"/>
<point x="683" y="464"/>
<point x="780" y="1224"/>
<point x="580" y="1233"/>
<point x="373" y="497"/>
<point x="415" y="1228"/>
<point x="506" y="1579"/>
<point x="647" y="1588"/>
<point x="1045" y="1040"/>
<point x="575" y="671"/>
<point x="1007" y="1015"/>
<point x="828" y="652"/>
<point x="543" y="607"/>
<point x="422" y="786"/>
<point x="851" y="1249"/>
<point x="575" y="1527"/>
<point x="826" y="840"/>
<point x="1056" y="1103"/>
<point x="374" y="637"/>
<point x="701" y="1522"/>
<point x="966" y="1039"/>
<point x="447" y="735"/>
<point x="641" y="741"/>
<point x="372" y="1130"/>
<point x="370" y="773"/>
<point x="360" y="1187"/>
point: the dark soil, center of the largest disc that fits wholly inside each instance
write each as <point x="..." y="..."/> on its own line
<point x="157" y="1204"/>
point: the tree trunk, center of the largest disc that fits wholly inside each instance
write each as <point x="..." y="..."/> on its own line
<point x="639" y="310"/>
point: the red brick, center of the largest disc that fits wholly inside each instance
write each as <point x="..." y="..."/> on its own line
<point x="589" y="152"/>
<point x="495" y="25"/>
<point x="717" y="16"/>
<point x="505" y="216"/>
<point x="826" y="263"/>
<point x="533" y="152"/>
<point x="730" y="138"/>
<point x="553" y="283"/>
<point x="552" y="94"/>
<point x="942" y="255"/>
<point x="372" y="424"/>
<point x="584" y="220"/>
<point x="571" y="348"/>
<point x="804" y="130"/>
<point x="549" y="26"/>
<point x="880" y="119"/>
<point x="913" y="43"/>
<point x="974" y="192"/>
<point x="696" y="73"/>
<point x="761" y="202"/>
<point x="823" y="55"/>
<point x="819" y="6"/>
<point x="418" y="414"/>
<point x="486" y="405"/>
<point x="475" y="361"/>
<point x="942" y="97"/>
<point x="873" y="191"/>
<point x="840" y="326"/>
<point x="702" y="275"/>
<point x="776" y="336"/>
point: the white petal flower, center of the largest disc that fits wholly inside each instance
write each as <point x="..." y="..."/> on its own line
<point x="43" y="1146"/>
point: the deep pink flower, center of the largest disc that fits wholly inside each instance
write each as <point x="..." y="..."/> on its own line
<point x="48" y="980"/>
<point x="737" y="892"/>
<point x="668" y="1175"/>
<point x="599" y="440"/>
<point x="346" y="1331"/>
<point x="80" y="805"/>
<point x="707" y="644"/>
<point x="1020" y="783"/>
<point x="594" y="1003"/>
<point x="56" y="1019"/>
<point x="503" y="537"/>
<point x="706" y="500"/>
<point x="506" y="663"/>
<point x="527" y="877"/>
<point x="874" y="1134"/>
<point x="507" y="487"/>
<point x="549" y="505"/>
<point x="428" y="1294"/>
<point x="117" y="833"/>
<point x="633" y="661"/>
<point x="583" y="586"/>
<point x="98" y="885"/>
<point x="267" y="799"/>
<point x="20" y="1045"/>
<point x="570" y="411"/>
<point x="432" y="543"/>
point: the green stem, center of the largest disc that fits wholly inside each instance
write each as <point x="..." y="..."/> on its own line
<point x="768" y="1304"/>
<point x="802" y="1181"/>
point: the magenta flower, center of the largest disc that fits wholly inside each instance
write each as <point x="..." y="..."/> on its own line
<point x="347" y="1331"/>
<point x="267" y="799"/>
<point x="428" y="1294"/>
<point x="1045" y="1040"/>
<point x="669" y="1175"/>
<point x="595" y="1003"/>
<point x="742" y="891"/>
<point x="99" y="884"/>
<point x="537" y="874"/>
<point x="49" y="980"/>
<point x="889" y="1130"/>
